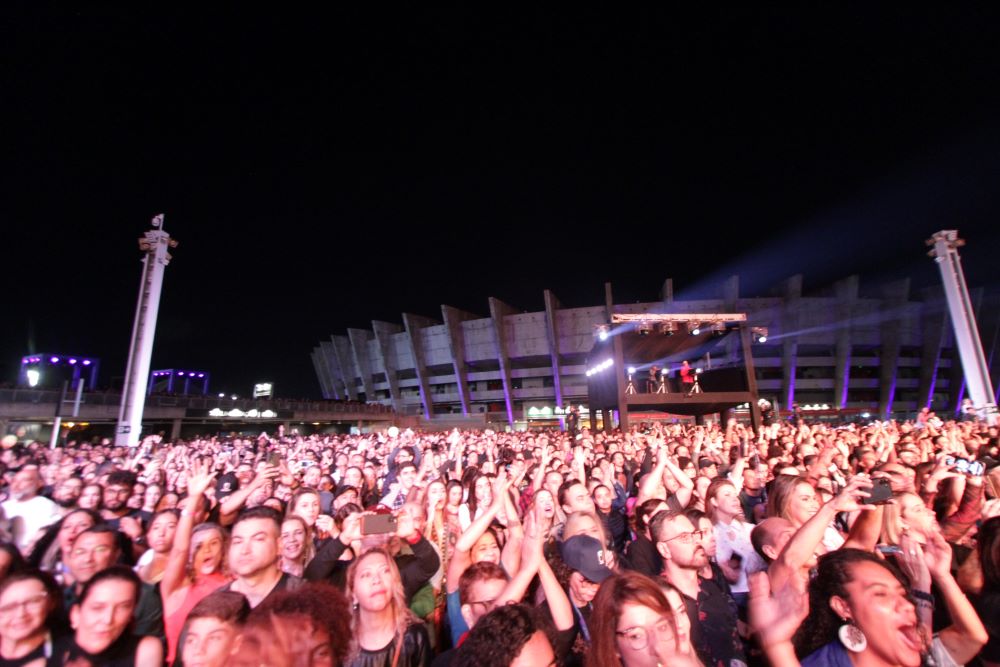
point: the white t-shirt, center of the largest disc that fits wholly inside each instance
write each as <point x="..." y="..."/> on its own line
<point x="28" y="517"/>
<point x="736" y="538"/>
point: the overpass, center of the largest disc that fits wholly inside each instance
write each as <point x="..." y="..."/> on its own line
<point x="173" y="413"/>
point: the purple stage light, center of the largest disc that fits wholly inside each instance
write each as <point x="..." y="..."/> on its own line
<point x="54" y="360"/>
<point x="86" y="362"/>
<point x="201" y="375"/>
<point x="72" y="361"/>
<point x="180" y="372"/>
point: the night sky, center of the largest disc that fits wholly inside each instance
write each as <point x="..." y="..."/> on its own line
<point x="322" y="171"/>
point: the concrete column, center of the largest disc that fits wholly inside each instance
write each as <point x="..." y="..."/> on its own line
<point x="345" y="366"/>
<point x="498" y="311"/>
<point x="934" y="326"/>
<point x="846" y="291"/>
<point x="359" y="349"/>
<point x="619" y="368"/>
<point x="895" y="296"/>
<point x="453" y="318"/>
<point x="321" y="374"/>
<point x="414" y="324"/>
<point x="332" y="366"/>
<point x="792" y="292"/>
<point x="552" y="333"/>
<point x="326" y="362"/>
<point x="175" y="430"/>
<point x="383" y="336"/>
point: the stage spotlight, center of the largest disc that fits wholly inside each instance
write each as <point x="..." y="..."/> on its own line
<point x="603" y="331"/>
<point x="759" y="334"/>
<point x="668" y="328"/>
<point x="644" y="328"/>
<point x="631" y="370"/>
<point x="696" y="329"/>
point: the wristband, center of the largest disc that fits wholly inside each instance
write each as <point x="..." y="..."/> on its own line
<point x="923" y="595"/>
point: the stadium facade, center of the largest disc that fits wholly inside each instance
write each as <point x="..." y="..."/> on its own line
<point x="888" y="350"/>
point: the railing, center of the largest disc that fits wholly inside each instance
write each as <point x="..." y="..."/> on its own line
<point x="36" y="396"/>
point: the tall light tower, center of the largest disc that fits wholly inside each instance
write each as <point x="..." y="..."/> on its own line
<point x="963" y="318"/>
<point x="154" y="244"/>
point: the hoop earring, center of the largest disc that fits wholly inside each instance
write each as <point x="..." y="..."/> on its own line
<point x="851" y="637"/>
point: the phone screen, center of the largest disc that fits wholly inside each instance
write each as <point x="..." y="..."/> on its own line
<point x="378" y="524"/>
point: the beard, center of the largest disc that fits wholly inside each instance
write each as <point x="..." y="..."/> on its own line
<point x="66" y="503"/>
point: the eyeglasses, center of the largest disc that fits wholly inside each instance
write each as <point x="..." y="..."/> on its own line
<point x="638" y="637"/>
<point x="33" y="604"/>
<point x="687" y="538"/>
<point x="487" y="604"/>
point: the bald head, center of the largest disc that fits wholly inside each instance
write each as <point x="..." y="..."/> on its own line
<point x="770" y="536"/>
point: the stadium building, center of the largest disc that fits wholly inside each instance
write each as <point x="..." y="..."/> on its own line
<point x="844" y="350"/>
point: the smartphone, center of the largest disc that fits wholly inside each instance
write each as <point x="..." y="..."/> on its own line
<point x="378" y="524"/>
<point x="881" y="492"/>
<point x="888" y="549"/>
<point x="274" y="459"/>
<point x="974" y="468"/>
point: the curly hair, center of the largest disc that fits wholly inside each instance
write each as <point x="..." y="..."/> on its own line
<point x="989" y="553"/>
<point x="322" y="606"/>
<point x="834" y="572"/>
<point x="499" y="636"/>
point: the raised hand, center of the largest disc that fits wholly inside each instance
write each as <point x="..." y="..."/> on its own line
<point x="848" y="499"/>
<point x="775" y="615"/>
<point x="200" y="478"/>
<point x="937" y="555"/>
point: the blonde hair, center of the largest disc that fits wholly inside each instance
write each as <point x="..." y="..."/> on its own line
<point x="402" y="615"/>
<point x="308" y="547"/>
<point x="576" y="516"/>
<point x="892" y="519"/>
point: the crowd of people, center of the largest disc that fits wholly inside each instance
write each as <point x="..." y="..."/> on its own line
<point x="669" y="544"/>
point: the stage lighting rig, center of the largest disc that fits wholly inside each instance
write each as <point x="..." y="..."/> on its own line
<point x="603" y="331"/>
<point x="719" y="328"/>
<point x="696" y="329"/>
<point x="759" y="334"/>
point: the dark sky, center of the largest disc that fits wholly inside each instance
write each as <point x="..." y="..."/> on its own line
<point x="324" y="170"/>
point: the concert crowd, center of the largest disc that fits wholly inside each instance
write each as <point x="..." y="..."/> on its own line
<point x="815" y="544"/>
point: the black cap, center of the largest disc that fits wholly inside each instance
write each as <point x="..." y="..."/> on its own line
<point x="225" y="485"/>
<point x="584" y="554"/>
<point x="344" y="488"/>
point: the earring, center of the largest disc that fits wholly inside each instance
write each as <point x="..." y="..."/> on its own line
<point x="851" y="637"/>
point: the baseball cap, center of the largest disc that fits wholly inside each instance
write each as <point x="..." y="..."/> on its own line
<point x="584" y="554"/>
<point x="344" y="488"/>
<point x="226" y="485"/>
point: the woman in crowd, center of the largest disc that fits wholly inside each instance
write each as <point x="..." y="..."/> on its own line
<point x="632" y="625"/>
<point x="384" y="631"/>
<point x="160" y="538"/>
<point x="195" y="566"/>
<point x="511" y="634"/>
<point x="735" y="554"/>
<point x="30" y="604"/>
<point x="308" y="627"/>
<point x="90" y="497"/>
<point x="793" y="498"/>
<point x="988" y="600"/>
<point x="212" y="629"/>
<point x="52" y="551"/>
<point x="861" y="611"/>
<point x="168" y="501"/>
<point x="102" y="622"/>
<point x="909" y="515"/>
<point x="306" y="503"/>
<point x="296" y="545"/>
<point x="150" y="499"/>
<point x="455" y="495"/>
<point x="480" y="496"/>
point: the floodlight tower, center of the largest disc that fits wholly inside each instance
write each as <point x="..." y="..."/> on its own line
<point x="154" y="244"/>
<point x="970" y="348"/>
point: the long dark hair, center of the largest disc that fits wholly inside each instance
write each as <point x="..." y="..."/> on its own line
<point x="989" y="554"/>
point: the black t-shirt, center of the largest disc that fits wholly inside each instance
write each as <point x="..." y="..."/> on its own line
<point x="641" y="556"/>
<point x="713" y="626"/>
<point x="749" y="502"/>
